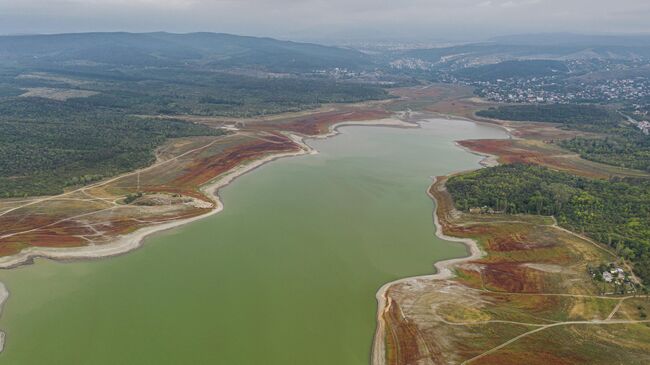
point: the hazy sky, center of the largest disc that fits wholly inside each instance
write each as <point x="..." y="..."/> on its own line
<point x="329" y="19"/>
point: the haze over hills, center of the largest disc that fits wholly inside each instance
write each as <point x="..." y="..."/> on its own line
<point x="168" y="49"/>
<point x="540" y="47"/>
<point x="574" y="39"/>
<point x="219" y="51"/>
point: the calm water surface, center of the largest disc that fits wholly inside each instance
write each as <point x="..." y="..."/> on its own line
<point x="287" y="274"/>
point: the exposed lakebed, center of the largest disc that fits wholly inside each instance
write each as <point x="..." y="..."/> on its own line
<point x="286" y="274"/>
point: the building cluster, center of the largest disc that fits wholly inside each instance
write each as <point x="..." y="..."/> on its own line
<point x="614" y="274"/>
<point x="557" y="90"/>
<point x="374" y="76"/>
<point x="640" y="117"/>
<point x="411" y="64"/>
<point x="484" y="210"/>
<point x="616" y="278"/>
<point x="337" y="73"/>
<point x="644" y="126"/>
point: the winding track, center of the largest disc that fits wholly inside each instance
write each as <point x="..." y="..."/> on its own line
<point x="105" y="182"/>
<point x="597" y="322"/>
<point x="84" y="190"/>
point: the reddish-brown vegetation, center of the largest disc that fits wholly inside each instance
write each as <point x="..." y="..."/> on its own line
<point x="203" y="170"/>
<point x="517" y="241"/>
<point x="404" y="343"/>
<point x="513" y="278"/>
<point x="504" y="148"/>
<point x="320" y="123"/>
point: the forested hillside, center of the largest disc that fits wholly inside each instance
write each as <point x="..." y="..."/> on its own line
<point x="172" y="92"/>
<point x="613" y="212"/>
<point x="577" y="116"/>
<point x="626" y="147"/>
<point x="49" y="145"/>
<point x="173" y="50"/>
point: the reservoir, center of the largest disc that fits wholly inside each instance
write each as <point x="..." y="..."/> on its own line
<point x="286" y="274"/>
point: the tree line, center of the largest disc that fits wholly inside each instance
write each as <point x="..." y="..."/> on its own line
<point x="47" y="145"/>
<point x="614" y="212"/>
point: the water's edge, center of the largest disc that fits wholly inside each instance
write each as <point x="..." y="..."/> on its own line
<point x="444" y="268"/>
<point x="132" y="241"/>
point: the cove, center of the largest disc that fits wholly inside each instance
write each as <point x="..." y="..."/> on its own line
<point x="286" y="274"/>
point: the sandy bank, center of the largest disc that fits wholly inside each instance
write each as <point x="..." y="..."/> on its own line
<point x="387" y="122"/>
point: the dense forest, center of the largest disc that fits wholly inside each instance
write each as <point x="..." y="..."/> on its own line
<point x="584" y="117"/>
<point x="622" y="144"/>
<point x="213" y="93"/>
<point x="186" y="91"/>
<point x="614" y="212"/>
<point x="47" y="145"/>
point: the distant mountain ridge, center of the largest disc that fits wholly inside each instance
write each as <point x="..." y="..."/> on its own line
<point x="501" y="51"/>
<point x="558" y="47"/>
<point x="172" y="49"/>
<point x="573" y="39"/>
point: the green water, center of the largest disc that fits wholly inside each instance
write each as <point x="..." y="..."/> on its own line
<point x="287" y="274"/>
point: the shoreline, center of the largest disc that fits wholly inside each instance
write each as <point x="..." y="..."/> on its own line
<point x="479" y="120"/>
<point x="488" y="160"/>
<point x="443" y="272"/>
<point x="443" y="267"/>
<point x="126" y="243"/>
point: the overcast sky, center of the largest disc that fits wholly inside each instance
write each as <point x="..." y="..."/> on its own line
<point x="329" y="19"/>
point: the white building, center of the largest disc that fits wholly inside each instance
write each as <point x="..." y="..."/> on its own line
<point x="607" y="277"/>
